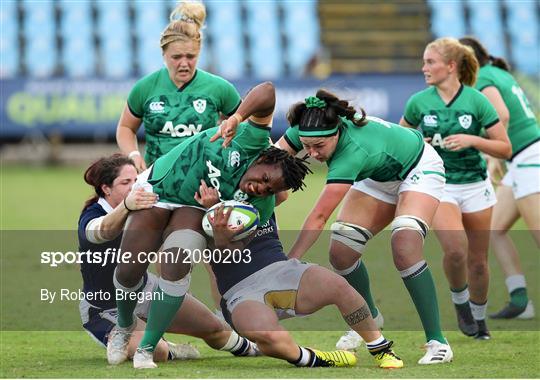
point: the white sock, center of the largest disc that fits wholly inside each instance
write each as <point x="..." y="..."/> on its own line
<point x="478" y="311"/>
<point x="460" y="297"/>
<point x="514" y="282"/>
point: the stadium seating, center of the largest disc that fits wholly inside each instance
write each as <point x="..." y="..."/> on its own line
<point x="9" y="40"/>
<point x="265" y="50"/>
<point x="301" y="32"/>
<point x="225" y="30"/>
<point x="40" y="38"/>
<point x="114" y="33"/>
<point x="267" y="39"/>
<point x="522" y="21"/>
<point x="447" y="18"/>
<point x="486" y="24"/>
<point x="150" y="20"/>
<point x="78" y="53"/>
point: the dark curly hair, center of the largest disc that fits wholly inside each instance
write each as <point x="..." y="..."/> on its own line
<point x="294" y="169"/>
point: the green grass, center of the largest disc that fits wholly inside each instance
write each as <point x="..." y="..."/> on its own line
<point x="39" y="212"/>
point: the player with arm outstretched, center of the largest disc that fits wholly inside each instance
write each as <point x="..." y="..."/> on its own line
<point x="385" y="174"/>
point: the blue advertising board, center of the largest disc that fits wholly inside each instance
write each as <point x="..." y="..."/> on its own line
<point x="90" y="108"/>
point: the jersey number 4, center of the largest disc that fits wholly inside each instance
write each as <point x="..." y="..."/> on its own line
<point x="437" y="140"/>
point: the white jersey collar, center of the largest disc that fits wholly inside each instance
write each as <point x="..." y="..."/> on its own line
<point x="106" y="206"/>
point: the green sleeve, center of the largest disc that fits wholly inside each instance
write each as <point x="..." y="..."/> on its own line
<point x="265" y="206"/>
<point x="251" y="137"/>
<point x="483" y="82"/>
<point x="487" y="115"/>
<point x="136" y="99"/>
<point x="347" y="167"/>
<point x="411" y="114"/>
<point x="230" y="98"/>
<point x="293" y="139"/>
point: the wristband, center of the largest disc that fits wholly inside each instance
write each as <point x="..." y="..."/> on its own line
<point x="125" y="205"/>
<point x="134" y="153"/>
<point x="237" y="116"/>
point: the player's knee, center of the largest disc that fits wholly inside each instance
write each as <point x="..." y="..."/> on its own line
<point x="456" y="254"/>
<point x="409" y="223"/>
<point x="185" y="240"/>
<point x="268" y="338"/>
<point x="408" y="234"/>
<point x="177" y="288"/>
<point x="350" y="235"/>
<point x="342" y="290"/>
<point x="126" y="279"/>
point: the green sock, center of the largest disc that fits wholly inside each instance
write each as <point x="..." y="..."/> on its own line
<point x="359" y="280"/>
<point x="126" y="307"/>
<point x="519" y="297"/>
<point x="160" y="316"/>
<point x="422" y="290"/>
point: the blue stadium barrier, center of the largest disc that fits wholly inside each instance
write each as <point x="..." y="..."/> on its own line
<point x="522" y="22"/>
<point x="78" y="56"/>
<point x="83" y="109"/>
<point x="114" y="30"/>
<point x="39" y="32"/>
<point x="302" y="33"/>
<point x="225" y="29"/>
<point x="487" y="25"/>
<point x="447" y="18"/>
<point x="9" y="40"/>
<point x="265" y="52"/>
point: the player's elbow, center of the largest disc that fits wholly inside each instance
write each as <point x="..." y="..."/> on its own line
<point x="267" y="94"/>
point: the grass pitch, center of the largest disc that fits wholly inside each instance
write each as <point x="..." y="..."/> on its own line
<point x="39" y="211"/>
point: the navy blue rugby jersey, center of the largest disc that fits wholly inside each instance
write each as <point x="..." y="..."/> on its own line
<point x="97" y="276"/>
<point x="264" y="249"/>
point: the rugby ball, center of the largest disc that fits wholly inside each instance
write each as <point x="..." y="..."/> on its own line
<point x="242" y="213"/>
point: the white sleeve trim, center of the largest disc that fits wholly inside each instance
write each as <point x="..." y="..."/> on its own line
<point x="93" y="231"/>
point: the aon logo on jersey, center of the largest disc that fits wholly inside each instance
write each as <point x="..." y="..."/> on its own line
<point x="180" y="130"/>
<point x="213" y="175"/>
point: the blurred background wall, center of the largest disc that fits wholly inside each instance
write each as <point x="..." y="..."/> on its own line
<point x="67" y="65"/>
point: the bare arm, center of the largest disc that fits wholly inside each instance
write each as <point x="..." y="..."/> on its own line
<point x="495" y="98"/>
<point x="258" y="106"/>
<point x="283" y="144"/>
<point x="108" y="227"/>
<point x="328" y="201"/>
<point x="403" y="123"/>
<point x="126" y="137"/>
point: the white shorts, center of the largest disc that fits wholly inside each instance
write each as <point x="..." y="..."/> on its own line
<point x="470" y="197"/>
<point x="523" y="173"/>
<point x="98" y="323"/>
<point x="142" y="182"/>
<point x="427" y="177"/>
<point x="275" y="285"/>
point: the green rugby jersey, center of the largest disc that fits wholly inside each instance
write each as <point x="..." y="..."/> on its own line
<point x="177" y="175"/>
<point x="467" y="113"/>
<point x="379" y="150"/>
<point x="171" y="114"/>
<point x="523" y="127"/>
